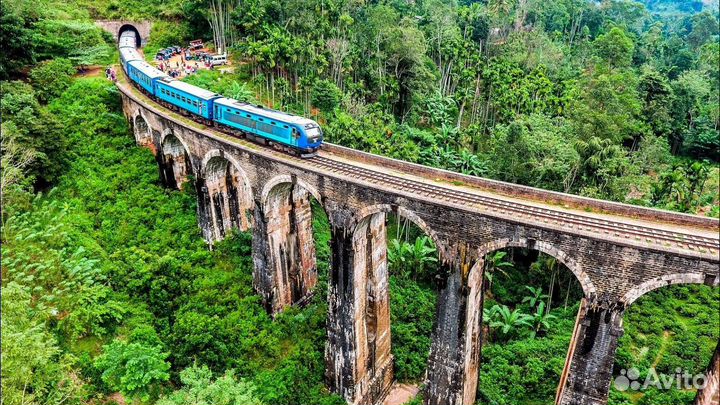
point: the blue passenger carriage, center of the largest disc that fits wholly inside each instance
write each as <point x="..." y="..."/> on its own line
<point x="299" y="133"/>
<point x="129" y="55"/>
<point x="144" y="75"/>
<point x="282" y="130"/>
<point x="186" y="96"/>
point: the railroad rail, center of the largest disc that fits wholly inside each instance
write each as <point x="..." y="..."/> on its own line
<point x="632" y="232"/>
<point x="619" y="229"/>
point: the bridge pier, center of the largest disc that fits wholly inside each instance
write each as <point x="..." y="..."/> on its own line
<point x="710" y="394"/>
<point x="205" y="220"/>
<point x="587" y="377"/>
<point x="224" y="198"/>
<point x="358" y="357"/>
<point x="262" y="277"/>
<point x="340" y="362"/>
<point x="446" y="364"/>
<point x="285" y="263"/>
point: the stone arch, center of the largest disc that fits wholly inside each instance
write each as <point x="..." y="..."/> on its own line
<point x="475" y="298"/>
<point x="286" y="203"/>
<point x="142" y="129"/>
<point x="287" y="180"/>
<point x="670" y="279"/>
<point x="175" y="161"/>
<point x="367" y="212"/>
<point x="130" y="27"/>
<point x="225" y="196"/>
<point x="587" y="285"/>
<point x="707" y="394"/>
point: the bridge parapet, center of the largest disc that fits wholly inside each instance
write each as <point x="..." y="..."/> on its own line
<point x="550" y="198"/>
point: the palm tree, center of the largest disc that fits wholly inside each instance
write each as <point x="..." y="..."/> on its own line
<point x="397" y="254"/>
<point x="501" y="8"/>
<point x="507" y="322"/>
<point x="422" y="255"/>
<point x="489" y="314"/>
<point x="407" y="259"/>
<point x="541" y="320"/>
<point x="496" y="262"/>
<point x="241" y="92"/>
<point x="535" y="297"/>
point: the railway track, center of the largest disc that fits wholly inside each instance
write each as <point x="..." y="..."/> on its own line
<point x="664" y="238"/>
<point x="658" y="237"/>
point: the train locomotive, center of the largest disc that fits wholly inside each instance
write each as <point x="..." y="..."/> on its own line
<point x="292" y="133"/>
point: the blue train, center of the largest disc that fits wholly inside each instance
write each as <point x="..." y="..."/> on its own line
<point x="285" y="131"/>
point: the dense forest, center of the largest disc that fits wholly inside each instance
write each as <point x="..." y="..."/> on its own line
<point x="110" y="295"/>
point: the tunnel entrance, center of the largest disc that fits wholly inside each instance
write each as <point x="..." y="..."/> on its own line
<point x="129" y="27"/>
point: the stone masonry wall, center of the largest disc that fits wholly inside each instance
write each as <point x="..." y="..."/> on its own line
<point x="710" y="394"/>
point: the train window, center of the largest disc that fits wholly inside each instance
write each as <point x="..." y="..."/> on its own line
<point x="273" y="123"/>
<point x="261" y="119"/>
<point x="248" y="115"/>
<point x="285" y="126"/>
<point x="227" y="109"/>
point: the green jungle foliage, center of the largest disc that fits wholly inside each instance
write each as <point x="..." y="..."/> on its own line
<point x="604" y="99"/>
<point x="110" y="294"/>
<point x="108" y="285"/>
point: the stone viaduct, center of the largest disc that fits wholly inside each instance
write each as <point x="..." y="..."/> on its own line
<point x="617" y="252"/>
